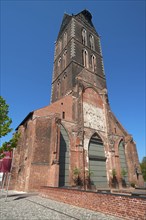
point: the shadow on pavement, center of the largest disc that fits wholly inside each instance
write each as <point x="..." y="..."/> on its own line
<point x="22" y="196"/>
<point x="18" y="195"/>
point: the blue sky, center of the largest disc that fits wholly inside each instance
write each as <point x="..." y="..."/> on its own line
<point x="28" y="32"/>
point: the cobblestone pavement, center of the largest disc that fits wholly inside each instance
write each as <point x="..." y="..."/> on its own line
<point x="27" y="206"/>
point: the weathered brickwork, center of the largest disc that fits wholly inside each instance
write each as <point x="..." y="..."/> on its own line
<point x="78" y="129"/>
<point x="122" y="206"/>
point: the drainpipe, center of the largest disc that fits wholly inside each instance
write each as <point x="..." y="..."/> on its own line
<point x="83" y="143"/>
<point x="84" y="184"/>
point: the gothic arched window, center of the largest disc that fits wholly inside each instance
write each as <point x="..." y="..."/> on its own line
<point x="59" y="63"/>
<point x="123" y="162"/>
<point x="64" y="58"/>
<point x="93" y="62"/>
<point x="65" y="39"/>
<point x="97" y="161"/>
<point x="91" y="39"/>
<point x="60" y="45"/>
<point x="84" y="37"/>
<point x="85" y="58"/>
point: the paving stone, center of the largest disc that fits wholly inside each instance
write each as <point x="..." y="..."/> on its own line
<point x="29" y="206"/>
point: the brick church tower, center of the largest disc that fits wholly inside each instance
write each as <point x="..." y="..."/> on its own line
<point x="78" y="130"/>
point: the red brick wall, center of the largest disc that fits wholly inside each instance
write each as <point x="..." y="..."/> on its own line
<point x="92" y="97"/>
<point x="39" y="175"/>
<point x="117" y="205"/>
<point x="63" y="105"/>
<point x="22" y="158"/>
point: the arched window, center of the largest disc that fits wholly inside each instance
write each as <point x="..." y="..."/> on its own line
<point x="85" y="58"/>
<point x="65" y="39"/>
<point x="91" y="39"/>
<point x="65" y="58"/>
<point x="97" y="161"/>
<point x="58" y="88"/>
<point x="84" y="37"/>
<point x="60" y="45"/>
<point x="63" y="156"/>
<point x="93" y="62"/>
<point x="123" y="163"/>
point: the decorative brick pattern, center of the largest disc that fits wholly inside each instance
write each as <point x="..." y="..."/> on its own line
<point x="73" y="28"/>
<point x="73" y="48"/>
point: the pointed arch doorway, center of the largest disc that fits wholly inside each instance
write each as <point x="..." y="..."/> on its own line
<point x="97" y="162"/>
<point x="64" y="158"/>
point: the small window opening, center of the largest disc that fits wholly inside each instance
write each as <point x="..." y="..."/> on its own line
<point x="25" y="126"/>
<point x="115" y="130"/>
<point x="19" y="170"/>
<point x="63" y="115"/>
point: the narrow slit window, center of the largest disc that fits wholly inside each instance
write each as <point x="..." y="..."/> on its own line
<point x="85" y="58"/>
<point x="93" y="62"/>
<point x="84" y="37"/>
<point x="64" y="58"/>
<point x="63" y="115"/>
<point x="115" y="130"/>
<point x="65" y="39"/>
<point x="92" y="46"/>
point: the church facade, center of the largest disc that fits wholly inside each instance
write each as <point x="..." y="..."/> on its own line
<point x="77" y="131"/>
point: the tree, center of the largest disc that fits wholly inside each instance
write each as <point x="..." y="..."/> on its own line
<point x="8" y="146"/>
<point x="143" y="167"/>
<point x="5" y="121"/>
